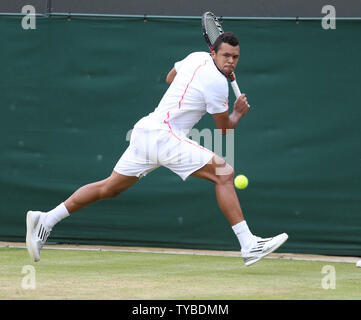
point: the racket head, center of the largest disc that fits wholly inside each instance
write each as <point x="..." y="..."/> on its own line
<point x="211" y="28"/>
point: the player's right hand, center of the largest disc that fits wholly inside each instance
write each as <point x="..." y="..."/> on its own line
<point x="241" y="105"/>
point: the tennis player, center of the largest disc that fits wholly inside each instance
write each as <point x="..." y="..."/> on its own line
<point x="198" y="85"/>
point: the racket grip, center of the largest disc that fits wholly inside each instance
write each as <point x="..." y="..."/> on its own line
<point x="235" y="88"/>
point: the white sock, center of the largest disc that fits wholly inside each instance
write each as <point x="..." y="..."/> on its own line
<point x="55" y="215"/>
<point x="244" y="235"/>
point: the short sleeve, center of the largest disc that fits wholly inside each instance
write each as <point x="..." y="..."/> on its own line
<point x="178" y="64"/>
<point x="216" y="98"/>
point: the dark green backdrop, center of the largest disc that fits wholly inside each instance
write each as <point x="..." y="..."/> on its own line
<point x="71" y="89"/>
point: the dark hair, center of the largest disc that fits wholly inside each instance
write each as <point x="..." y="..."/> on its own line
<point x="227" y="37"/>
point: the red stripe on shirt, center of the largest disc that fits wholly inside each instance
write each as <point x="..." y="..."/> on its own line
<point x="170" y="128"/>
<point x="194" y="73"/>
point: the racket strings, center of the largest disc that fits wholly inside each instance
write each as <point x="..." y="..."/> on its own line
<point x="213" y="31"/>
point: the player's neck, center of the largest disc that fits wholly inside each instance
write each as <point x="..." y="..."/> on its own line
<point x="219" y="69"/>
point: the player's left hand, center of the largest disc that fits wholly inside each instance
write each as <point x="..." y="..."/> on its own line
<point x="241" y="105"/>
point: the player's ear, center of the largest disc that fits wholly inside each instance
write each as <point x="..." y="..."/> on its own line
<point x="213" y="53"/>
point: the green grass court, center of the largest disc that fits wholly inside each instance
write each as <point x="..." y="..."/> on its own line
<point x="80" y="274"/>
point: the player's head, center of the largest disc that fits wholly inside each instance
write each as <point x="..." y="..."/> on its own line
<point x="226" y="37"/>
<point x="226" y="52"/>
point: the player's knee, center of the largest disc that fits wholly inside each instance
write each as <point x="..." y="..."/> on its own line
<point x="225" y="174"/>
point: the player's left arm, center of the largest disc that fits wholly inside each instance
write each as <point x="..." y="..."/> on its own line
<point x="171" y="75"/>
<point x="226" y="121"/>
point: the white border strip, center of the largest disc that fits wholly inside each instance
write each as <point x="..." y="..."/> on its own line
<point x="286" y="256"/>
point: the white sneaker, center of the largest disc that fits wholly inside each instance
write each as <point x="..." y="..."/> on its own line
<point x="36" y="233"/>
<point x="262" y="247"/>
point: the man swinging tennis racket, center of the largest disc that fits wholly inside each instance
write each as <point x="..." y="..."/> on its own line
<point x="198" y="84"/>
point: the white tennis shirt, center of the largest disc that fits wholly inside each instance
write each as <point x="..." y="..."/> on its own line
<point x="199" y="87"/>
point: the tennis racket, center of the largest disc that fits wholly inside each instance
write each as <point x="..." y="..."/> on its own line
<point x="211" y="30"/>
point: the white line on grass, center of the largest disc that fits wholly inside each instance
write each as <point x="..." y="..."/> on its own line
<point x="287" y="256"/>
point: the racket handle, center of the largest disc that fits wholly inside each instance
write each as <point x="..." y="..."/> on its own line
<point x="235" y="88"/>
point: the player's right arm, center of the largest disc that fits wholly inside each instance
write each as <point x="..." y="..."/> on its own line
<point x="226" y="121"/>
<point x="171" y="75"/>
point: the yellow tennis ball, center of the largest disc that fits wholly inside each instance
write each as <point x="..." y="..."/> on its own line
<point x="241" y="181"/>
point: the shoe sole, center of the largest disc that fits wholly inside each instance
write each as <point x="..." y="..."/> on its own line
<point x="250" y="262"/>
<point x="29" y="233"/>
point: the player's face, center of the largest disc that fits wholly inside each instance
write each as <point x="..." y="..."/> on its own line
<point x="226" y="58"/>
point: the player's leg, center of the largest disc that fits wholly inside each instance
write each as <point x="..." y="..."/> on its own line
<point x="132" y="165"/>
<point x="110" y="187"/>
<point x="186" y="157"/>
<point x="39" y="224"/>
<point x="222" y="174"/>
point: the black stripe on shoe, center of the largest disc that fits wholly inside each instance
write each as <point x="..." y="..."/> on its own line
<point x="43" y="234"/>
<point x="40" y="229"/>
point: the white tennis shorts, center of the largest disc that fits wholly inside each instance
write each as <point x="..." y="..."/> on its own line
<point x="150" y="149"/>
